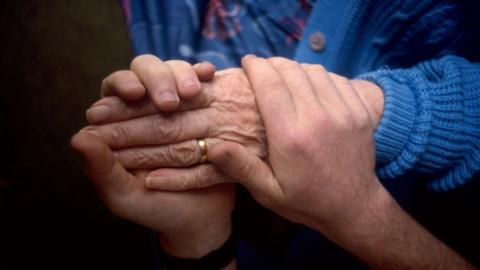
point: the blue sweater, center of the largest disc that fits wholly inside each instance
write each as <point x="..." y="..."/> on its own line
<point x="416" y="52"/>
<point x="423" y="53"/>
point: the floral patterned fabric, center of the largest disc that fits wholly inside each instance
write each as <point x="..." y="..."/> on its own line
<point x="218" y="31"/>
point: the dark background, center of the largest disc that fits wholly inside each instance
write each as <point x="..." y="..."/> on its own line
<point x="53" y="56"/>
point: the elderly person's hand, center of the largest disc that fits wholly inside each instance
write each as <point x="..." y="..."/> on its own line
<point x="191" y="223"/>
<point x="144" y="139"/>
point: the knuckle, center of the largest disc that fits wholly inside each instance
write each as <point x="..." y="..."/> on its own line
<point x="187" y="182"/>
<point x="202" y="177"/>
<point x="178" y="64"/>
<point x="340" y="80"/>
<point x="346" y="122"/>
<point x="169" y="129"/>
<point x="181" y="154"/>
<point x="317" y="69"/>
<point x="363" y="121"/>
<point x="138" y="158"/>
<point x="245" y="171"/>
<point x="284" y="64"/>
<point x="319" y="117"/>
<point x="140" y="60"/>
<point x="296" y="142"/>
<point x="119" y="134"/>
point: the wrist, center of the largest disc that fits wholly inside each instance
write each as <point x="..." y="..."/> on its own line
<point x="372" y="96"/>
<point x="198" y="242"/>
<point x="362" y="215"/>
<point x="368" y="227"/>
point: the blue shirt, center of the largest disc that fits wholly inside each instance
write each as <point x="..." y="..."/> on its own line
<point x="217" y="31"/>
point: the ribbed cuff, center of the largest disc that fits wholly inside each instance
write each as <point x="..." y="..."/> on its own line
<point x="398" y="117"/>
<point x="430" y="121"/>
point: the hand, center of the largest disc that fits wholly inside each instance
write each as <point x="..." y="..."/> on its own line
<point x="165" y="83"/>
<point x="339" y="102"/>
<point x="320" y="167"/>
<point x="191" y="223"/>
<point x="234" y="117"/>
<point x="151" y="140"/>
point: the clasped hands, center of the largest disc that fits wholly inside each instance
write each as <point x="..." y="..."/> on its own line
<point x="299" y="138"/>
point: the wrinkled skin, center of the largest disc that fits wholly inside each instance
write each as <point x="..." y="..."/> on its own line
<point x="164" y="144"/>
<point x="191" y="223"/>
<point x="151" y="140"/>
<point x="163" y="141"/>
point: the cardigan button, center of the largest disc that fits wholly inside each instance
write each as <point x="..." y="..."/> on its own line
<point x="317" y="41"/>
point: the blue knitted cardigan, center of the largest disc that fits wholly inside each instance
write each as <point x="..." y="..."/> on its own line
<point x="417" y="52"/>
<point x="424" y="55"/>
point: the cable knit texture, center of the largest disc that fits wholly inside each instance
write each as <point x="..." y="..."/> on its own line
<point x="423" y="53"/>
<point x="431" y="120"/>
<point x="417" y="52"/>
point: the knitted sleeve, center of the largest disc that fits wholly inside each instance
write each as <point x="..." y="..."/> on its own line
<point x="431" y="121"/>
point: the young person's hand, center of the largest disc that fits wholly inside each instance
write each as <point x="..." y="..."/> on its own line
<point x="320" y="169"/>
<point x="191" y="223"/>
<point x="169" y="84"/>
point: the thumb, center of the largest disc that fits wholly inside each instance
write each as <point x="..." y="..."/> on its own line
<point x="100" y="164"/>
<point x="247" y="169"/>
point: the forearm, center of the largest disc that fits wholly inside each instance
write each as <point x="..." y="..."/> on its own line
<point x="384" y="236"/>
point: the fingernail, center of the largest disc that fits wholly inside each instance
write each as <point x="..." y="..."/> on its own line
<point x="249" y="56"/>
<point x="91" y="131"/>
<point x="148" y="182"/>
<point x="167" y="101"/>
<point x="167" y="96"/>
<point x="131" y="85"/>
<point x="99" y="113"/>
<point x="190" y="84"/>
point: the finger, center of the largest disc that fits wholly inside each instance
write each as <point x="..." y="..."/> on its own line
<point x="154" y="129"/>
<point x="171" y="179"/>
<point x="325" y="88"/>
<point x="159" y="81"/>
<point x="205" y="71"/>
<point x="182" y="154"/>
<point x="114" y="109"/>
<point x="188" y="84"/>
<point x="123" y="83"/>
<point x="297" y="81"/>
<point x="247" y="169"/>
<point x="100" y="165"/>
<point x="273" y="98"/>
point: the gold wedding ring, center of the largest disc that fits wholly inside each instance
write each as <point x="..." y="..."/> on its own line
<point x="203" y="150"/>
